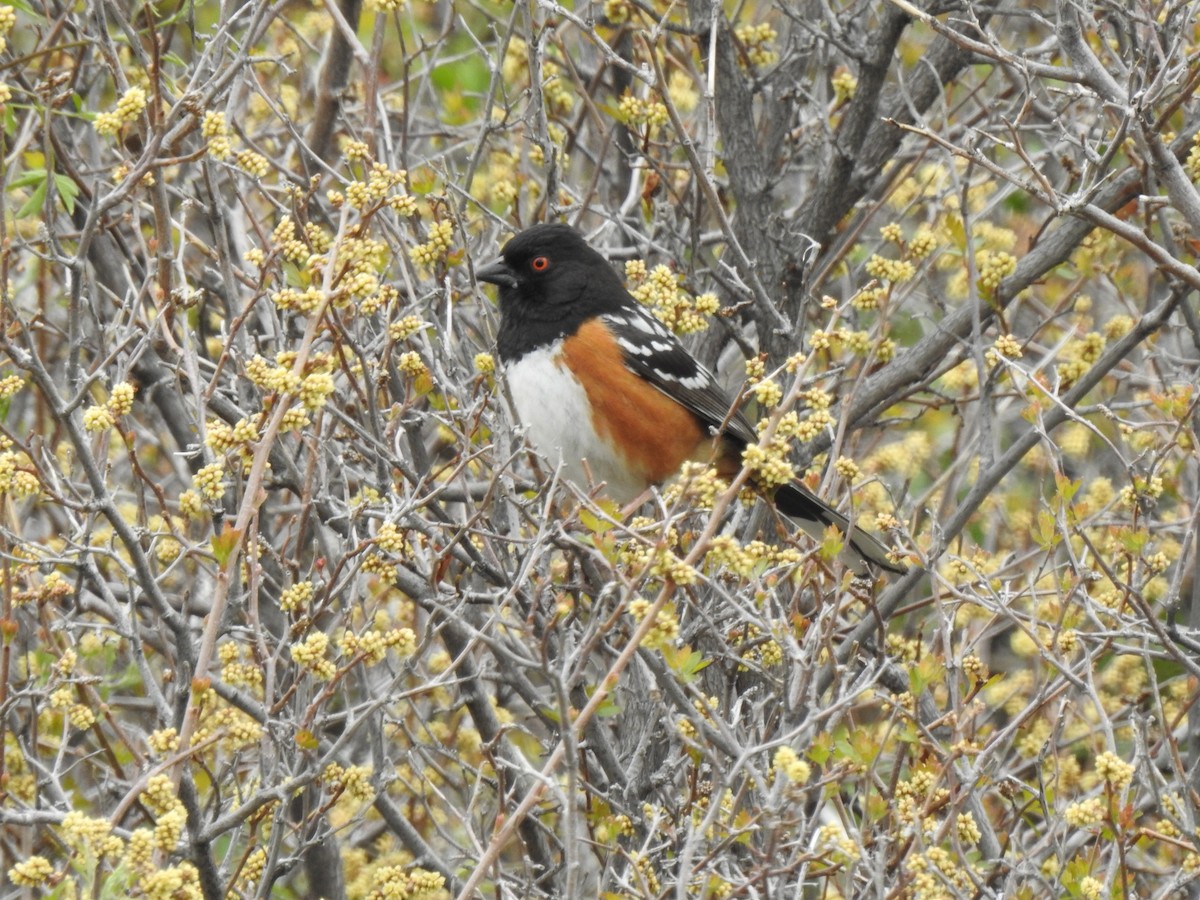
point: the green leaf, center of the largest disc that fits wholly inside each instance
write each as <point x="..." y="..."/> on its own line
<point x="594" y="523"/>
<point x="1067" y="487"/>
<point x="685" y="662"/>
<point x="224" y="543"/>
<point x="1045" y="530"/>
<point x="34" y="204"/>
<point x="608" y="706"/>
<point x="68" y="190"/>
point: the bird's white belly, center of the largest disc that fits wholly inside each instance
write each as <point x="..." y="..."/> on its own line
<point x="557" y="416"/>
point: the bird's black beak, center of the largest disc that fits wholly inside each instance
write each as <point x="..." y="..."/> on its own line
<point x="497" y="272"/>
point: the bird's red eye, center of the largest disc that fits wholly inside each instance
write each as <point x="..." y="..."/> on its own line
<point x="540" y="263"/>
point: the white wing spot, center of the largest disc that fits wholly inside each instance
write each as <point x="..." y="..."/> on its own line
<point x="691" y="382"/>
<point x="634" y="347"/>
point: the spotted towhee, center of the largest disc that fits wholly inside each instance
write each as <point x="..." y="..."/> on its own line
<point x="595" y="377"/>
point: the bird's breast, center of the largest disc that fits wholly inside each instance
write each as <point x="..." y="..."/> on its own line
<point x="578" y="401"/>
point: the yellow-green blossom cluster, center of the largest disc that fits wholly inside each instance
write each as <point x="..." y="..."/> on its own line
<point x="662" y="562"/>
<point x="253" y="163"/>
<point x="1006" y="346"/>
<point x="1078" y="356"/>
<point x="698" y="482"/>
<point x="129" y="107"/>
<point x="53" y="589"/>
<point x="10" y="385"/>
<point x="767" y="392"/>
<point x="80" y="715"/>
<point x="296" y="597"/>
<point x="411" y="364"/>
<point x="163" y="741"/>
<point x="937" y="873"/>
<point x="633" y="110"/>
<point x="617" y="12"/>
<point x="277" y="378"/>
<point x="485" y="363"/>
<point x="994" y="267"/>
<point x="290" y="246"/>
<point x="373" y="643"/>
<point x="790" y="425"/>
<point x="181" y="882"/>
<point x="788" y="764"/>
<point x="167" y="548"/>
<point x="252" y="871"/>
<point x="892" y="270"/>
<point x="848" y="469"/>
<point x="1150" y="488"/>
<point x="120" y="401"/>
<point x="15" y="482"/>
<point x="222" y="438"/>
<point x="98" y="418"/>
<point x="681" y="87"/>
<point x="352" y="780"/>
<point x="234" y="671"/>
<point x="215" y="130"/>
<point x="844" y="84"/>
<point x="967" y="828"/>
<point x="391" y="539"/>
<point x="923" y="243"/>
<point x="209" y="482"/>
<point x="386" y="6"/>
<point x="94" y="834"/>
<point x="306" y="301"/>
<point x="310" y="653"/>
<point x="315" y="389"/>
<point x="753" y="648"/>
<point x="758" y="42"/>
<point x="374" y="564"/>
<point x="381" y="185"/>
<point x="170" y="815"/>
<point x="360" y="261"/>
<point x="742" y="559"/>
<point x="660" y="290"/>
<point x="917" y="795"/>
<point x="436" y="246"/>
<point x="555" y="89"/>
<point x="666" y="623"/>
<point x="858" y="342"/>
<point x="403" y="881"/>
<point x="644" y="864"/>
<point x="31" y="872"/>
<point x="236" y="729"/>
<point x="403" y="329"/>
<point x="1193" y="159"/>
<point x="494" y="184"/>
<point x="833" y="838"/>
<point x="1114" y="770"/>
<point x="8" y="19"/>
<point x="1085" y="813"/>
<point x="769" y="462"/>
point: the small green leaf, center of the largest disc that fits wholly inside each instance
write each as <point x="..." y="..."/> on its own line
<point x="34" y="204"/>
<point x="223" y="544"/>
<point x="68" y="190"/>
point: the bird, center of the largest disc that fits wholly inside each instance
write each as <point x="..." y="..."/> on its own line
<point x="603" y="386"/>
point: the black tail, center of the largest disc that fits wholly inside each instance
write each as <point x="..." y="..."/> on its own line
<point x="814" y="516"/>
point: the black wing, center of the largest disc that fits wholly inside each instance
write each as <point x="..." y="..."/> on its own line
<point x="655" y="354"/>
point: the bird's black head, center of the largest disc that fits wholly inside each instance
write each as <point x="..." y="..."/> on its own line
<point x="551" y="280"/>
